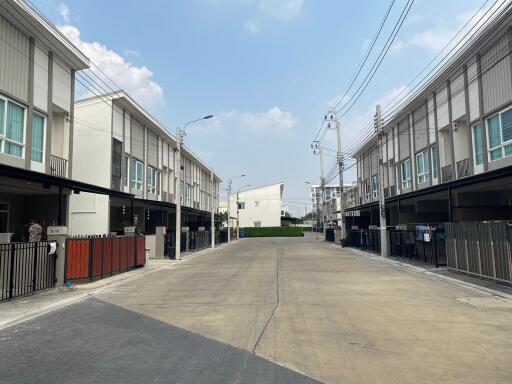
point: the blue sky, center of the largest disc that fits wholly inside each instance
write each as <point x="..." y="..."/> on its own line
<point x="267" y="70"/>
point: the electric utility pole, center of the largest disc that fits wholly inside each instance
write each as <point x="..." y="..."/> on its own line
<point x="382" y="201"/>
<point x="229" y="204"/>
<point x="333" y="118"/>
<point x="237" y="215"/>
<point x="179" y="142"/>
<point x="322" y="188"/>
<point x="212" y="207"/>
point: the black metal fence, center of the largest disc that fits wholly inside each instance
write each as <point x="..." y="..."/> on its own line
<point x="25" y="268"/>
<point x="329" y="235"/>
<point x="364" y="239"/>
<point x="170" y="244"/>
<point x="482" y="249"/>
<point x="426" y="245"/>
<point x="198" y="240"/>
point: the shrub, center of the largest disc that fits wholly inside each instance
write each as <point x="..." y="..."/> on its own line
<point x="273" y="232"/>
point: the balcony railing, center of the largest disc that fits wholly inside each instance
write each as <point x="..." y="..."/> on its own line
<point x="58" y="166"/>
<point x="446" y="173"/>
<point x="462" y="168"/>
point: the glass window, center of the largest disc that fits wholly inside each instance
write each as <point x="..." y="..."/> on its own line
<point x="241" y="205"/>
<point x="506" y="125"/>
<point x="37" y="137"/>
<point x="14" y="130"/>
<point x="477" y="145"/>
<point x="435" y="162"/>
<point x="153" y="181"/>
<point x="493" y="127"/>
<point x="423" y="163"/>
<point x="136" y="175"/>
<point x="2" y="117"/>
<point x="375" y="186"/>
<point x="406" y="173"/>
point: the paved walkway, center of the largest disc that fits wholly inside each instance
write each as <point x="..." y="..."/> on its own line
<point x="270" y="311"/>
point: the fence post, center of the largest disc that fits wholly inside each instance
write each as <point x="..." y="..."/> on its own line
<point x="11" y="269"/>
<point x="508" y="231"/>
<point x="492" y="253"/>
<point x="91" y="258"/>
<point x="34" y="268"/>
<point x="478" y="252"/>
<point x="436" y="258"/>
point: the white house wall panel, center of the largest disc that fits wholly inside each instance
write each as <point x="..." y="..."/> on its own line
<point x="14" y="61"/>
<point x="474" y="105"/>
<point x="431" y="120"/>
<point x="403" y="139"/>
<point x="61" y="85"/>
<point x="442" y="108"/>
<point x="40" y="79"/>
<point x="260" y="207"/>
<point x="117" y="122"/>
<point x="420" y="128"/>
<point x="127" y="133"/>
<point x="137" y="139"/>
<point x="458" y="97"/>
<point x="389" y="146"/>
<point x="374" y="161"/>
<point x="496" y="76"/>
<point x="92" y="146"/>
<point x="152" y="149"/>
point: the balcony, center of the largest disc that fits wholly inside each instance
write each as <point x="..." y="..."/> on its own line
<point x="446" y="173"/>
<point x="462" y="168"/>
<point x="58" y="166"/>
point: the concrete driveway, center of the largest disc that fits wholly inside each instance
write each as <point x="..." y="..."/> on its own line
<point x="270" y="311"/>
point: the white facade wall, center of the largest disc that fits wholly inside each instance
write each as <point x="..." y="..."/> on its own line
<point x="261" y="205"/>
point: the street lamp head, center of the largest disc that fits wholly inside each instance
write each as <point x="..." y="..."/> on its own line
<point x="207" y="117"/>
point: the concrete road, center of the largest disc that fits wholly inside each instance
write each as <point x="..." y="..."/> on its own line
<point x="270" y="311"/>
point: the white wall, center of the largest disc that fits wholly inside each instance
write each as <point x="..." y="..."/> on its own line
<point x="92" y="143"/>
<point x="40" y="79"/>
<point x="261" y="204"/>
<point x="88" y="214"/>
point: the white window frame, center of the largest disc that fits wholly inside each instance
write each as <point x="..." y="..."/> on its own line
<point x="375" y="186"/>
<point x="135" y="183"/>
<point x="423" y="177"/>
<point x="127" y="167"/>
<point x="152" y="182"/>
<point x="367" y="190"/>
<point x="3" y="138"/>
<point x="406" y="181"/>
<point x="45" y="119"/>
<point x="434" y="167"/>
<point x="503" y="143"/>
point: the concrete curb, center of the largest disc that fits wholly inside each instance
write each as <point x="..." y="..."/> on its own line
<point x="427" y="272"/>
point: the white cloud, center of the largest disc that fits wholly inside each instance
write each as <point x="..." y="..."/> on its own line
<point x="435" y="39"/>
<point x="280" y="9"/>
<point x="240" y="124"/>
<point x="252" y="27"/>
<point x="332" y="103"/>
<point x="131" y="52"/>
<point x="137" y="81"/>
<point x="64" y="12"/>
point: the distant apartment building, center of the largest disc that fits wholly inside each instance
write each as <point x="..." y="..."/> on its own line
<point x="330" y="190"/>
<point x="447" y="153"/>
<point x="118" y="145"/>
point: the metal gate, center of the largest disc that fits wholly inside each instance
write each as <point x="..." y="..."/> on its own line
<point x="482" y="249"/>
<point x="25" y="268"/>
<point x="99" y="257"/>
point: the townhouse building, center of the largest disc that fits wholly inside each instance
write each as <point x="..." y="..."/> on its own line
<point x="118" y="145"/>
<point x="37" y="85"/>
<point x="447" y="152"/>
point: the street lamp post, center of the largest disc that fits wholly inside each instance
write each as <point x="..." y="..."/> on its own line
<point x="180" y="134"/>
